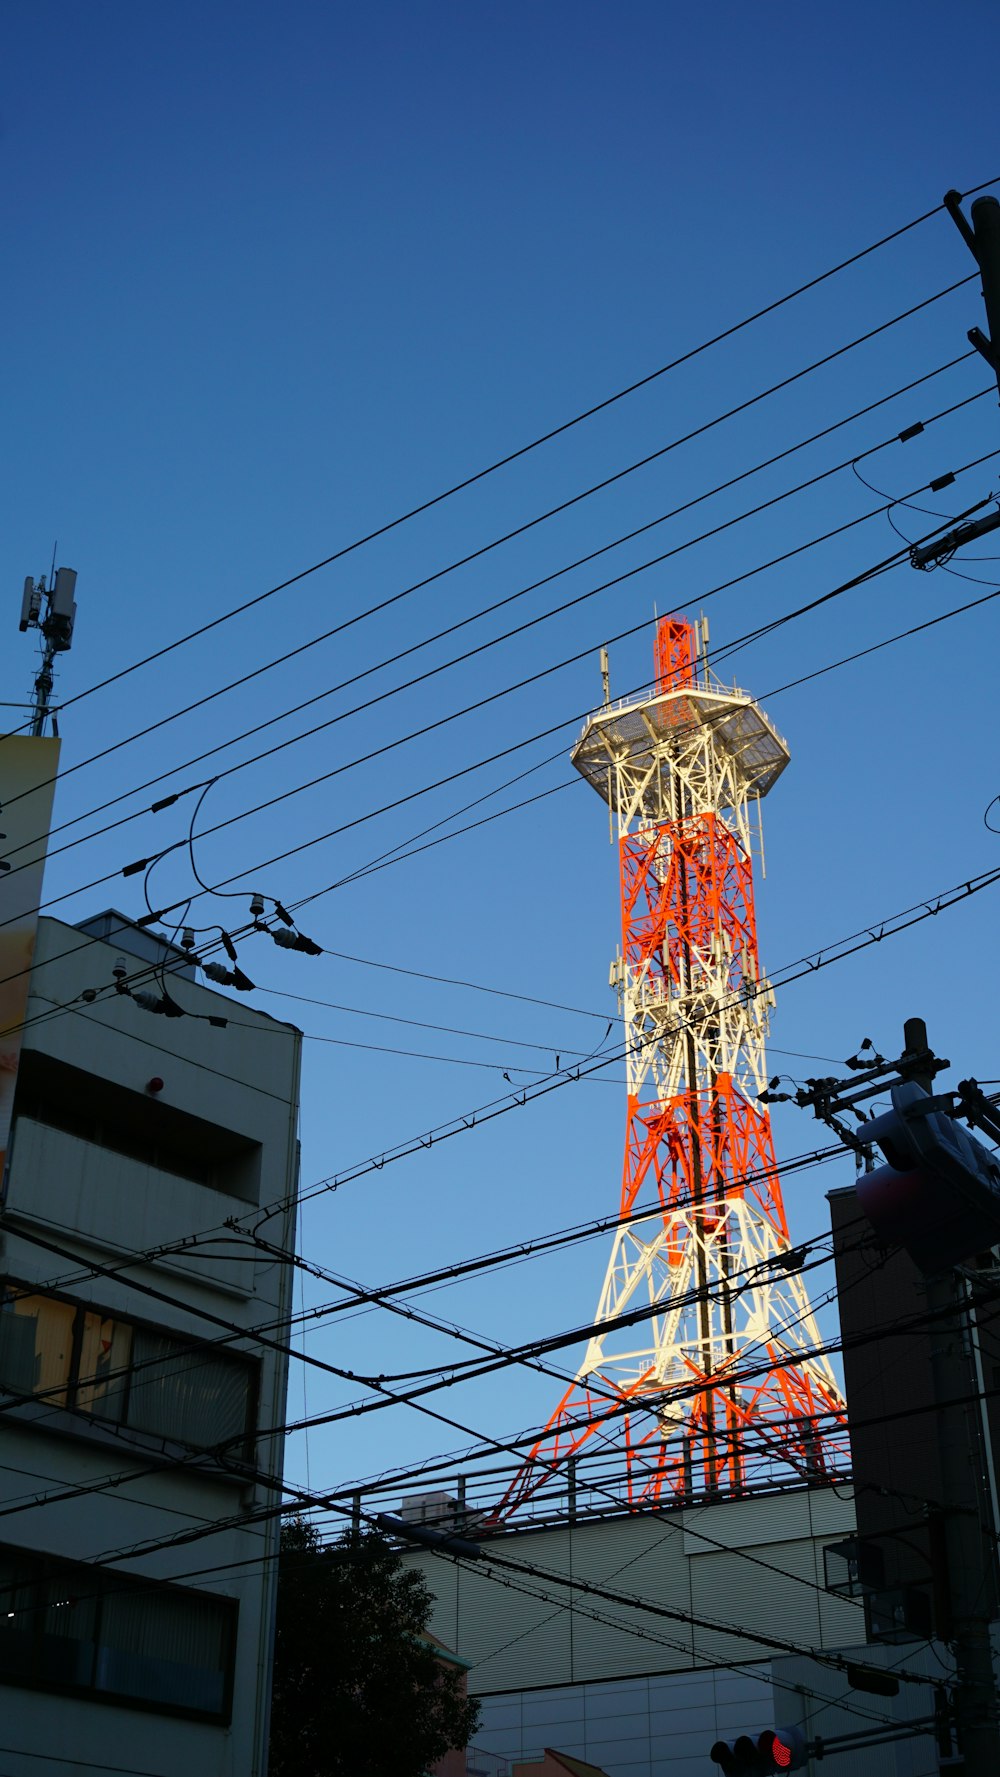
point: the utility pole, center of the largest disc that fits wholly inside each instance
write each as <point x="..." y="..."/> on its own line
<point x="940" y="1186"/>
<point x="982" y="237"/>
<point x="969" y="1548"/>
<point x="960" y="1431"/>
<point x="983" y="242"/>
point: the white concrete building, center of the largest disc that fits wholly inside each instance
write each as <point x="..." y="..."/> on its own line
<point x="132" y="1131"/>
<point x="729" y="1602"/>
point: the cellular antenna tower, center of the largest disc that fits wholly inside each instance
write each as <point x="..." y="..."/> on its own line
<point x="722" y="1388"/>
<point x="52" y="611"/>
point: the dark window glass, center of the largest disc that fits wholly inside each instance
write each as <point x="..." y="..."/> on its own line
<point x="186" y="1394"/>
<point x="164" y="1649"/>
<point x="66" y="1632"/>
<point x="123" y="1374"/>
<point x="68" y="1626"/>
<point x="102" y="1374"/>
<point x="16" y="1618"/>
<point x="36" y="1345"/>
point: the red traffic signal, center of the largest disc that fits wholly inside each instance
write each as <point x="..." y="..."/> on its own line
<point x="785" y="1748"/>
<point x="775" y="1751"/>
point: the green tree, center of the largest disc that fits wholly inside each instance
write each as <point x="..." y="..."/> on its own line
<point x="358" y="1691"/>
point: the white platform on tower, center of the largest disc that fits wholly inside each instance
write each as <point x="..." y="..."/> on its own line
<point x="636" y="731"/>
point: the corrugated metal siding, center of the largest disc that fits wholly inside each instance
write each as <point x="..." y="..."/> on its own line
<point x="743" y="1523"/>
<point x="832" y="1512"/>
<point x="518" y="1641"/>
<point x="512" y="1640"/>
<point x="733" y="1591"/>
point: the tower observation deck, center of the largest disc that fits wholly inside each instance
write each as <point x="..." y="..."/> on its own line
<point x="704" y="1375"/>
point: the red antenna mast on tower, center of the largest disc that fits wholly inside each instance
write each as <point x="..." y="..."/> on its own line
<point x="721" y="1387"/>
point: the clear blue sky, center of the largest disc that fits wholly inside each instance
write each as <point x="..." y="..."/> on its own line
<point x="275" y="276"/>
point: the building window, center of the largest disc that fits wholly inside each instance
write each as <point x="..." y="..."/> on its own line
<point x="130" y="1123"/>
<point x="72" y="1627"/>
<point x="123" y="1373"/>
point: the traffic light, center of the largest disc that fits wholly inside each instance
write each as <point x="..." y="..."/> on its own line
<point x="782" y="1749"/>
<point x="776" y="1750"/>
<point x="939" y="1195"/>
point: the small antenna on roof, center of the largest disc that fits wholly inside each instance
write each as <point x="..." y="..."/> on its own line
<point x="52" y="611"/>
<point x="605" y="677"/>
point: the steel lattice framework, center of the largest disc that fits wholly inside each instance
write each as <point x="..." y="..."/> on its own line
<point x="721" y="1384"/>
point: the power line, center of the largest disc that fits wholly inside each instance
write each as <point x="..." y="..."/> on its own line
<point x="426" y="1141"/>
<point x="531" y="679"/>
<point x="762" y="630"/>
<point x="883" y="566"/>
<point x="384" y="1297"/>
<point x="503" y="993"/>
<point x="700" y="1661"/>
<point x="385" y="1397"/>
<point x="811" y="963"/>
<point x="463" y="622"/>
<point x="453" y="1272"/>
<point x="557" y="1048"/>
<point x="824" y="958"/>
<point x="33" y="1500"/>
<point x="508" y="1356"/>
<point x="389" y="858"/>
<point x="534" y="444"/>
<point x="329" y="1500"/>
<point x="478" y="987"/>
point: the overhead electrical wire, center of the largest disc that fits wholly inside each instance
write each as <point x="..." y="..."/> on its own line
<point x="558" y="1048"/>
<point x="846" y="660"/>
<point x="383" y="1396"/>
<point x="753" y="1276"/>
<point x="640" y="1602"/>
<point x="905" y="436"/>
<point x="452" y="1272"/>
<point x="426" y="1140"/>
<point x="483" y="702"/>
<point x="215" y="1526"/>
<point x="112" y="1482"/>
<point x="385" y="1296"/>
<point x="259" y="1562"/>
<point x="132" y="1474"/>
<point x="440" y="1466"/>
<point x="323" y="1500"/>
<point x="368" y="704"/>
<point x="880" y="567"/>
<point x="521" y="1096"/>
<point x="535" y="443"/>
<point x="702" y="1660"/>
<point x="195" y="1458"/>
<point x="864" y="938"/>
<point x="507" y="1355"/>
<point x="872" y="938"/>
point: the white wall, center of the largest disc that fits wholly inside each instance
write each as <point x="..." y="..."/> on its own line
<point x="751" y="1565"/>
<point x="99" y="1206"/>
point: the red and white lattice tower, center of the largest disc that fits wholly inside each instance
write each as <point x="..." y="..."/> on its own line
<point x="723" y="1387"/>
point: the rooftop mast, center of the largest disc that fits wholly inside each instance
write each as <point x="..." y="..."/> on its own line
<point x="55" y="622"/>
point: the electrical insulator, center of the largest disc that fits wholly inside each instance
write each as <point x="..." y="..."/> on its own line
<point x="289" y="940"/>
<point x="228" y="977"/>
